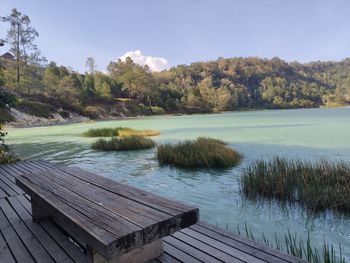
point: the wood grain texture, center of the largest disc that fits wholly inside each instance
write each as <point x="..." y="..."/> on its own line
<point x="91" y="207"/>
<point x="20" y="236"/>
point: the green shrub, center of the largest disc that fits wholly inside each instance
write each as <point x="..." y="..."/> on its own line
<point x="119" y="131"/>
<point x="317" y="185"/>
<point x="157" y="110"/>
<point x="7" y="100"/>
<point x="64" y="114"/>
<point x="92" y="112"/>
<point x="123" y="144"/>
<point x="5" y="156"/>
<point x="6" y="116"/>
<point x="35" y="108"/>
<point x="199" y="153"/>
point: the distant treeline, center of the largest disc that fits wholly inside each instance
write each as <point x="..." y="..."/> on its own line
<point x="221" y="85"/>
<point x="129" y="89"/>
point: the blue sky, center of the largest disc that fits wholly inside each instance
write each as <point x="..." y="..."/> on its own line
<point x="185" y="31"/>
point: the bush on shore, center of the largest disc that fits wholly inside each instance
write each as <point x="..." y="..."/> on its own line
<point x="119" y="131"/>
<point x="35" y="108"/>
<point x="199" y="153"/>
<point x="6" y="116"/>
<point x="5" y="156"/>
<point x="123" y="143"/>
<point x="317" y="185"/>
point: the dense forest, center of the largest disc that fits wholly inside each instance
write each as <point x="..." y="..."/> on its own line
<point x="38" y="87"/>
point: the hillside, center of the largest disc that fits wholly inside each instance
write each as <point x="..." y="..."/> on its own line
<point x="50" y="91"/>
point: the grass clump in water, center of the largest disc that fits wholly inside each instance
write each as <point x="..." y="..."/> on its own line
<point x="131" y="132"/>
<point x="123" y="144"/>
<point x="296" y="246"/>
<point x="102" y="132"/>
<point x="319" y="186"/>
<point x="119" y="131"/>
<point x="199" y="153"/>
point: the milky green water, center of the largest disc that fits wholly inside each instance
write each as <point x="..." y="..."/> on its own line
<point x="306" y="134"/>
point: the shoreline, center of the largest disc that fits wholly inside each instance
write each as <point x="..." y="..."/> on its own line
<point x="81" y="119"/>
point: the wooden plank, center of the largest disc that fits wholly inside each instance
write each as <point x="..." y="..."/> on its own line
<point x="11" y="170"/>
<point x="155" y="224"/>
<point x="45" y="240"/>
<point x="71" y="190"/>
<point x="151" y="220"/>
<point x="166" y="258"/>
<point x="214" y="247"/>
<point x="253" y="244"/>
<point x="100" y="216"/>
<point x="80" y="226"/>
<point x="32" y="244"/>
<point x="4" y="171"/>
<point x="195" y="252"/>
<point x="132" y="193"/>
<point x="5" y="253"/>
<point x="19" y="251"/>
<point x="214" y="251"/>
<point x="179" y="254"/>
<point x="135" y="212"/>
<point x="3" y="194"/>
<point x="11" y="183"/>
<point x="8" y="190"/>
<point x="62" y="240"/>
<point x="30" y="167"/>
<point x="226" y="241"/>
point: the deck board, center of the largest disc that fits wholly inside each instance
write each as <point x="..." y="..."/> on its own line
<point x="22" y="240"/>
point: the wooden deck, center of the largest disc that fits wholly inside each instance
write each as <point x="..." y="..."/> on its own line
<point x="22" y="240"/>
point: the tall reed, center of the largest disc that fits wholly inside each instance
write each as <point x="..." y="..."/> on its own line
<point x="296" y="246"/>
<point x="123" y="143"/>
<point x="319" y="185"/>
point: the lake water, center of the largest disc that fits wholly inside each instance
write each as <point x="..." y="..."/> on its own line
<point x="305" y="133"/>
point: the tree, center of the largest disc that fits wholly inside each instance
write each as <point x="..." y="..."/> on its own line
<point x="102" y="85"/>
<point x="20" y="36"/>
<point x="90" y="64"/>
<point x="137" y="81"/>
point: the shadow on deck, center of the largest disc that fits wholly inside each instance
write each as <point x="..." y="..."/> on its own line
<point x="22" y="240"/>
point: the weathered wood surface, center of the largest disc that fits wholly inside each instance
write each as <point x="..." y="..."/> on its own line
<point x="101" y="212"/>
<point x="19" y="235"/>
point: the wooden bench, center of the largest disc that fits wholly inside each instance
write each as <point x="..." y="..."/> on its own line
<point x="116" y="222"/>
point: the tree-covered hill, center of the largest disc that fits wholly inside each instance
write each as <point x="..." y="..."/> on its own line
<point x="44" y="89"/>
<point x="221" y="85"/>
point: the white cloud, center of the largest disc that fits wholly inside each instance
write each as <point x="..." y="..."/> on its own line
<point x="154" y="63"/>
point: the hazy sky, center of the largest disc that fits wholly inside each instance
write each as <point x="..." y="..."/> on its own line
<point x="165" y="33"/>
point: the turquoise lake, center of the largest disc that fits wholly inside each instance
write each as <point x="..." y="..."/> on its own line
<point x="304" y="133"/>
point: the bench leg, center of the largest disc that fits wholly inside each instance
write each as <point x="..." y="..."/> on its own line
<point x="38" y="212"/>
<point x="139" y="255"/>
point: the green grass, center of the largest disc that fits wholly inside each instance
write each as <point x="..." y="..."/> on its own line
<point x="123" y="143"/>
<point x="296" y="246"/>
<point x="319" y="186"/>
<point x="199" y="153"/>
<point x="119" y="131"/>
<point x="102" y="132"/>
